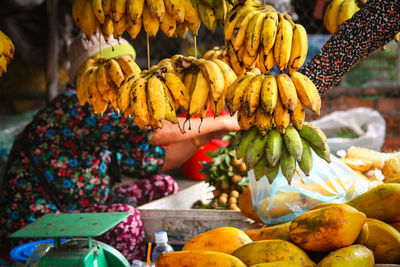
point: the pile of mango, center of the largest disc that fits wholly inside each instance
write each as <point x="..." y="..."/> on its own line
<point x="361" y="232"/>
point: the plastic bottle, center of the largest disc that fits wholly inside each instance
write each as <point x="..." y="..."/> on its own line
<point x="161" y="247"/>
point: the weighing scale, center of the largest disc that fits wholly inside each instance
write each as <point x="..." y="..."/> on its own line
<point x="81" y="250"/>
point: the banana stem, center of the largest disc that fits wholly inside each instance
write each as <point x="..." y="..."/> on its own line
<point x="195" y="46"/>
<point x="148" y="51"/>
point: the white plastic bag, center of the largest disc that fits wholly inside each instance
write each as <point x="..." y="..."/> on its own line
<point x="280" y="202"/>
<point x="367" y="123"/>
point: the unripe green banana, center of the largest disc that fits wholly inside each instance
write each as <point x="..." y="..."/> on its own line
<point x="272" y="172"/>
<point x="237" y="138"/>
<point x="256" y="151"/>
<point x="306" y="162"/>
<point x="260" y="167"/>
<point x="246" y="140"/>
<point x="324" y="154"/>
<point x="313" y="135"/>
<point x="288" y="164"/>
<point x="293" y="142"/>
<point x="273" y="147"/>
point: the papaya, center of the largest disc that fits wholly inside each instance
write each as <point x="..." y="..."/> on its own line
<point x="279" y="231"/>
<point x="363" y="236"/>
<point x="277" y="264"/>
<point x="384" y="241"/>
<point x="327" y="229"/>
<point x="395" y="225"/>
<point x="324" y="205"/>
<point x="351" y="256"/>
<point x="246" y="206"/>
<point x="380" y="203"/>
<point x="198" y="258"/>
<point x="270" y="251"/>
<point x="393" y="180"/>
<point x="223" y="239"/>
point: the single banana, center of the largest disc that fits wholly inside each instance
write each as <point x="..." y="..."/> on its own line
<point x="135" y="9"/>
<point x="106" y="7"/>
<point x="306" y="91"/>
<point x="139" y="104"/>
<point x="255" y="152"/>
<point x="99" y="103"/>
<point x="269" y="61"/>
<point x="88" y="20"/>
<point x="181" y="30"/>
<point x="239" y="33"/>
<point x="77" y="6"/>
<point x="107" y="28"/>
<point x="233" y="17"/>
<point x="293" y="142"/>
<point x="272" y="172"/>
<point x="288" y="164"/>
<point x="124" y="92"/>
<point x="229" y="74"/>
<point x="253" y="33"/>
<point x="263" y="121"/>
<point x="120" y="26"/>
<point x="259" y="168"/>
<point x="157" y="8"/>
<point x="150" y="22"/>
<point x="252" y="94"/>
<point x="176" y="8"/>
<point x="269" y="31"/>
<point x="347" y="10"/>
<point x="204" y="110"/>
<point x="82" y="79"/>
<point x="8" y="46"/>
<point x="273" y="147"/>
<point x="155" y="97"/>
<point x="217" y="55"/>
<point x="170" y="113"/>
<point x="269" y="94"/>
<point x="248" y="60"/>
<point x="287" y="92"/>
<point x="106" y="87"/>
<point x="299" y="48"/>
<point x="314" y="136"/>
<point x="168" y="26"/>
<point x="237" y="66"/>
<point x="207" y="16"/>
<point x="134" y="29"/>
<point x="114" y="71"/>
<point x="118" y="9"/>
<point x="324" y="154"/>
<point x="98" y="10"/>
<point x="306" y="161"/>
<point x="298" y="116"/>
<point x="283" y="43"/>
<point x="281" y="117"/>
<point x="215" y="77"/>
<point x="331" y="16"/>
<point x="191" y="14"/>
<point x="236" y="92"/>
<point x="247" y="139"/>
<point x="260" y="61"/>
<point x="245" y="122"/>
<point x="199" y="91"/>
<point x="208" y="54"/>
<point x="89" y="86"/>
<point x="127" y="65"/>
<point x="194" y="27"/>
<point x="177" y="89"/>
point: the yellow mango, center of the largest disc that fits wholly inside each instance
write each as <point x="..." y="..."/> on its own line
<point x="352" y="256"/>
<point x="198" y="258"/>
<point x="277" y="264"/>
<point x="223" y="239"/>
<point x="327" y="229"/>
<point x="362" y="238"/>
<point x="384" y="241"/>
<point x="381" y="202"/>
<point x="270" y="251"/>
<point x="279" y="231"/>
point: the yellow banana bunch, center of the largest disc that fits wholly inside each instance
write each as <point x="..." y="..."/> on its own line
<point x="337" y="12"/>
<point x="6" y="52"/>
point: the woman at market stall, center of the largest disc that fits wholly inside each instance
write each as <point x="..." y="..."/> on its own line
<point x="68" y="160"/>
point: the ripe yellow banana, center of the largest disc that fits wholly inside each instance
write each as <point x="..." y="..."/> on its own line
<point x="134" y="29"/>
<point x="269" y="62"/>
<point x="3" y="64"/>
<point x="236" y="15"/>
<point x="157" y="8"/>
<point x="135" y="9"/>
<point x="253" y="71"/>
<point x="306" y="91"/>
<point x="8" y="46"/>
<point x="269" y="94"/>
<point x="235" y="94"/>
<point x="106" y="87"/>
<point x="283" y="43"/>
<point x="251" y="97"/>
<point x="107" y="7"/>
<point x="114" y="71"/>
<point x="139" y="104"/>
<point x="204" y="110"/>
<point x="236" y="65"/>
<point x="397" y="37"/>
<point x="248" y="60"/>
<point x="239" y="32"/>
<point x="331" y="16"/>
<point x="214" y="76"/>
<point x="287" y="92"/>
<point x="150" y="22"/>
<point x="177" y="89"/>
<point x="245" y="122"/>
<point x="88" y="20"/>
<point x="124" y="91"/>
<point x="253" y="33"/>
<point x="347" y="10"/>
<point x="120" y="26"/>
<point x="91" y="86"/>
<point x="269" y="31"/>
<point x="194" y="27"/>
<point x="199" y="91"/>
<point x="168" y="64"/>
<point x="82" y="85"/>
<point x="168" y="26"/>
<point x="208" y="54"/>
<point x="240" y="53"/>
<point x="77" y="7"/>
<point x="155" y="98"/>
<point x="181" y="30"/>
<point x="98" y="10"/>
<point x="263" y="121"/>
<point x="281" y="117"/>
<point x="98" y="102"/>
<point x="299" y="48"/>
<point x="127" y="65"/>
<point x="207" y="16"/>
<point x="170" y="114"/>
<point x="191" y="14"/>
<point x="107" y="28"/>
<point x="298" y="116"/>
<point x="118" y="9"/>
<point x="176" y="8"/>
<point x="260" y="61"/>
<point x="229" y="74"/>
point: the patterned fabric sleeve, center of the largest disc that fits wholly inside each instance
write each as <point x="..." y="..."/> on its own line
<point x="371" y="27"/>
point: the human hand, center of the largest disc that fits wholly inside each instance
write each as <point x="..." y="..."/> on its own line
<point x="230" y="123"/>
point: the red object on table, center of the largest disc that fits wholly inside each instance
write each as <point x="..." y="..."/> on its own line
<point x="191" y="168"/>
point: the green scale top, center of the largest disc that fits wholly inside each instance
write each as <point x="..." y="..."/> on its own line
<point x="71" y="225"/>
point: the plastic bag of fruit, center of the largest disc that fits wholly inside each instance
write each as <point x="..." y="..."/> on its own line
<point x="327" y="182"/>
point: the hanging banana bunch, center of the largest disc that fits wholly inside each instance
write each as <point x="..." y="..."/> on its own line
<point x="98" y="81"/>
<point x="259" y="36"/>
<point x="6" y="52"/>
